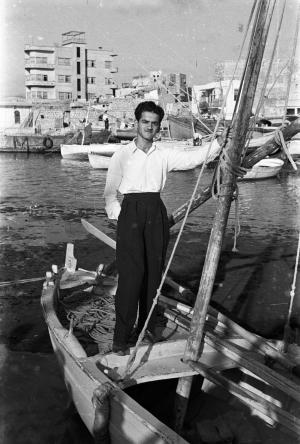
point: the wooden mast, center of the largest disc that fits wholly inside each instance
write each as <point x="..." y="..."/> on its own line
<point x="233" y="151"/>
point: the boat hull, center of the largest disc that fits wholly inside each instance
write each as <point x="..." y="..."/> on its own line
<point x="129" y="422"/>
<point x="264" y="169"/>
<point x="98" y="161"/>
<point x="33" y="143"/>
<point x="80" y="152"/>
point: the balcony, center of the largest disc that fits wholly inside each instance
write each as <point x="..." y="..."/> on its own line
<point x="36" y="64"/>
<point x="38" y="48"/>
<point x="36" y="82"/>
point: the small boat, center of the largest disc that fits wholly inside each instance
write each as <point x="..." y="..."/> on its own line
<point x="99" y="161"/>
<point x="22" y="141"/>
<point x="101" y="386"/>
<point x="264" y="169"/>
<point x="80" y="152"/>
<point x="294" y="147"/>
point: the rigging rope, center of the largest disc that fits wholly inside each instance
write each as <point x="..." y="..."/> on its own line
<point x="292" y="63"/>
<point x="292" y="295"/>
<point x="263" y="90"/>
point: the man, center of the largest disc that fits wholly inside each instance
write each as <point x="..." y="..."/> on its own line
<point x="139" y="171"/>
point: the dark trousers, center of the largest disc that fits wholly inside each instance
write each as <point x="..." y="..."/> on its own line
<point x="142" y="240"/>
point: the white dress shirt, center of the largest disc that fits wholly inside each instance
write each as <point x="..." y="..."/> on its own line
<point x="131" y="170"/>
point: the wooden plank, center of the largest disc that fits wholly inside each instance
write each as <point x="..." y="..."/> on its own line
<point x="257" y="403"/>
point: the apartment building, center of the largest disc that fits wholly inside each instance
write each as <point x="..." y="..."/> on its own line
<point x="70" y="71"/>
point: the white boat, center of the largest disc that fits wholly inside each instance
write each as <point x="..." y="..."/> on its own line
<point x="99" y="161"/>
<point x="80" y="152"/>
<point x="294" y="147"/>
<point x="99" y="158"/>
<point x="264" y="169"/>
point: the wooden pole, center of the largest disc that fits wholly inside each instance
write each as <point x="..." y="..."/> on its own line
<point x="233" y="151"/>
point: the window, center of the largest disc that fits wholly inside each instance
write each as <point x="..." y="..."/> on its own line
<point x="290" y="111"/>
<point x="78" y="67"/>
<point x="91" y="80"/>
<point x="41" y="60"/>
<point x="107" y="81"/>
<point x="91" y="63"/>
<point x="38" y="60"/>
<point x="39" y="95"/>
<point x="64" y="79"/>
<point x="107" y="64"/>
<point x="64" y="95"/>
<point x="78" y="85"/>
<point x="64" y="61"/>
<point x="17" y="116"/>
<point x="235" y="94"/>
<point x="78" y="51"/>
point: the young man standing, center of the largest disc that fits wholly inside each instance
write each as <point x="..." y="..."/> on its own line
<point x="139" y="171"/>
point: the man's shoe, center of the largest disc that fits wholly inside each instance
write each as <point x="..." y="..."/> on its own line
<point x="152" y="338"/>
<point x="120" y="350"/>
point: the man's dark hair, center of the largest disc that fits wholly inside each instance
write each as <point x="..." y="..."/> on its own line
<point x="150" y="107"/>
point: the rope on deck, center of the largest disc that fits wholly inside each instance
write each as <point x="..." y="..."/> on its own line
<point x="92" y="313"/>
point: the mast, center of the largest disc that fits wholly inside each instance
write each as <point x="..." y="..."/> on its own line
<point x="232" y="155"/>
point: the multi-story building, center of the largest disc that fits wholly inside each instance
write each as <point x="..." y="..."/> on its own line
<point x="69" y="71"/>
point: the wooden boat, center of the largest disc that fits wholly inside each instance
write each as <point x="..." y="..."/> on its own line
<point x="80" y="152"/>
<point x="34" y="143"/>
<point x="264" y="169"/>
<point x="99" y="161"/>
<point x="294" y="147"/>
<point x="99" y="389"/>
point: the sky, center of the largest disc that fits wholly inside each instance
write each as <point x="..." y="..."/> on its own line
<point x="187" y="36"/>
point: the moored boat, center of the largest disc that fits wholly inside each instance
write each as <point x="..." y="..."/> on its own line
<point x="100" y="385"/>
<point x="99" y="161"/>
<point x="264" y="169"/>
<point x="80" y="152"/>
<point x="27" y="142"/>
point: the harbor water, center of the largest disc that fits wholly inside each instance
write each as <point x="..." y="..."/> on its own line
<point x="44" y="197"/>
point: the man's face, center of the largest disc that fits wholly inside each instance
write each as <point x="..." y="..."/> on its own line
<point x="148" y="125"/>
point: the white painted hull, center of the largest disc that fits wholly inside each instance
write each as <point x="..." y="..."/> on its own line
<point x="99" y="162"/>
<point x="264" y="169"/>
<point x="80" y="152"/>
<point x="294" y="147"/>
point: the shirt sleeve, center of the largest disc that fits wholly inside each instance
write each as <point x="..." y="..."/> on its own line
<point x="113" y="180"/>
<point x="190" y="158"/>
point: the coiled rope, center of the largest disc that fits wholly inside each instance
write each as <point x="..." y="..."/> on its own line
<point x="92" y="313"/>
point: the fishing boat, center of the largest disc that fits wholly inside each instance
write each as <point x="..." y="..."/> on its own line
<point x="80" y="152"/>
<point x="28" y="142"/>
<point x="294" y="147"/>
<point x="264" y="169"/>
<point x="195" y="339"/>
<point x="99" y="161"/>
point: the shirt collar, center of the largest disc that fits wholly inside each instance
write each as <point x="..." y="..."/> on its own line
<point x="134" y="148"/>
